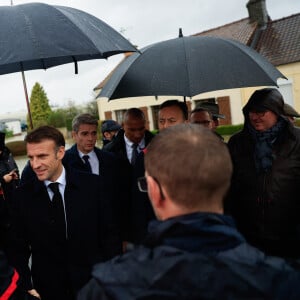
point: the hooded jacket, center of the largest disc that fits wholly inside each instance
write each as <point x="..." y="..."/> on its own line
<point x="195" y="256"/>
<point x="266" y="205"/>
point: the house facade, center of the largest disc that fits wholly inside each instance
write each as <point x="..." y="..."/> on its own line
<point x="277" y="40"/>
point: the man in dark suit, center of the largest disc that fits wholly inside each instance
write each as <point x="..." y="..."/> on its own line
<point x="102" y="163"/>
<point x="128" y="144"/>
<point x="134" y="133"/>
<point x="65" y="231"/>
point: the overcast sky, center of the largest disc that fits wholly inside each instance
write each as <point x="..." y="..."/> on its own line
<point x="142" y="22"/>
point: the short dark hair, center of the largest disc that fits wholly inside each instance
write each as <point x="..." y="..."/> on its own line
<point x="174" y="102"/>
<point x="199" y="109"/>
<point x="192" y="164"/>
<point x="45" y="133"/>
<point x="83" y="119"/>
<point x="134" y="113"/>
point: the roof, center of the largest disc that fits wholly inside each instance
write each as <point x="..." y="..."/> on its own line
<point x="279" y="42"/>
<point x="9" y="120"/>
<point x="241" y="31"/>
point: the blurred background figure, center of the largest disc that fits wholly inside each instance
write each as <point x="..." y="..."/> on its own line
<point x="9" y="180"/>
<point x="291" y="113"/>
<point x="9" y="173"/>
<point x="214" y="110"/>
<point x="202" y="116"/>
<point x="109" y="129"/>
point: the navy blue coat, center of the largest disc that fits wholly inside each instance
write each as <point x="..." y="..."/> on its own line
<point x="111" y="172"/>
<point x="139" y="209"/>
<point x="114" y="177"/>
<point x="196" y="256"/>
<point x="60" y="269"/>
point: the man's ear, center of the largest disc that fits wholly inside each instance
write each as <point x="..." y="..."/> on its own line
<point x="73" y="134"/>
<point x="154" y="193"/>
<point x="61" y="152"/>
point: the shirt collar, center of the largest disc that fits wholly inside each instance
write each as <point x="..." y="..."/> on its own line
<point x="61" y="179"/>
<point x="130" y="143"/>
<point x="82" y="154"/>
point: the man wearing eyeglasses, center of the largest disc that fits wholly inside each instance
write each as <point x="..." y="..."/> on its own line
<point x="265" y="184"/>
<point x="192" y="251"/>
<point x="202" y="117"/>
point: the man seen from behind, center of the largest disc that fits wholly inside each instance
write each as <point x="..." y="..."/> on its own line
<point x="193" y="250"/>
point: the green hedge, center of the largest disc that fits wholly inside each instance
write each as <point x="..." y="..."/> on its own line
<point x="229" y="129"/>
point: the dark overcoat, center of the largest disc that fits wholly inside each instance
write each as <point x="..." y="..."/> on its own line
<point x="60" y="269"/>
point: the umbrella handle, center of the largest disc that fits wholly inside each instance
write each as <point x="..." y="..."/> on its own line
<point x="27" y="100"/>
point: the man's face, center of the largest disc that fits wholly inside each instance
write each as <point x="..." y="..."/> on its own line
<point x="85" y="138"/>
<point x="170" y="116"/>
<point x="262" y="121"/>
<point x="203" y="118"/>
<point x="109" y="135"/>
<point x="45" y="159"/>
<point x="134" y="129"/>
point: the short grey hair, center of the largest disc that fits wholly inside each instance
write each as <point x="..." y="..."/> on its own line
<point x="83" y="119"/>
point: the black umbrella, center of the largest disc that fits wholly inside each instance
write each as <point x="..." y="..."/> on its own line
<point x="40" y="36"/>
<point x="188" y="66"/>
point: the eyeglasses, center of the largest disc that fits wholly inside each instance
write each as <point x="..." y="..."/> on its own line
<point x="257" y="113"/>
<point x="143" y="186"/>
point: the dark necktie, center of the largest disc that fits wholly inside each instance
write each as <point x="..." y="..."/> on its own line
<point x="58" y="210"/>
<point x="87" y="163"/>
<point x="134" y="154"/>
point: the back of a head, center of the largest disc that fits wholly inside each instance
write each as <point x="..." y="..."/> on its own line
<point x="174" y="102"/>
<point x="83" y="119"/>
<point x="45" y="133"/>
<point x="191" y="163"/>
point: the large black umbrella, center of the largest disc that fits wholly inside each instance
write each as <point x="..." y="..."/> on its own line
<point x="188" y="66"/>
<point x="40" y="36"/>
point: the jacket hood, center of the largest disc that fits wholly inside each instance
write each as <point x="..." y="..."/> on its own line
<point x="265" y="99"/>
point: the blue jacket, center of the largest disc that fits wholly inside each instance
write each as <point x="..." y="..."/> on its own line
<point x="196" y="256"/>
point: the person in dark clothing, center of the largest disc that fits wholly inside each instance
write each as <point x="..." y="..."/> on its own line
<point x="170" y="113"/>
<point x="109" y="130"/>
<point x="134" y="133"/>
<point x="9" y="180"/>
<point x="213" y="109"/>
<point x="192" y="251"/>
<point x="266" y="178"/>
<point x="65" y="230"/>
<point x="9" y="173"/>
<point x="10" y="282"/>
<point x="106" y="165"/>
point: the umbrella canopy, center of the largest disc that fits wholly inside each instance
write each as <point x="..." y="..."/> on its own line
<point x="40" y="36"/>
<point x="188" y="66"/>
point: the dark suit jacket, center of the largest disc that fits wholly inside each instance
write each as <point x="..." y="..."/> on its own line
<point x="140" y="210"/>
<point x="118" y="146"/>
<point x="114" y="176"/>
<point x="59" y="268"/>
